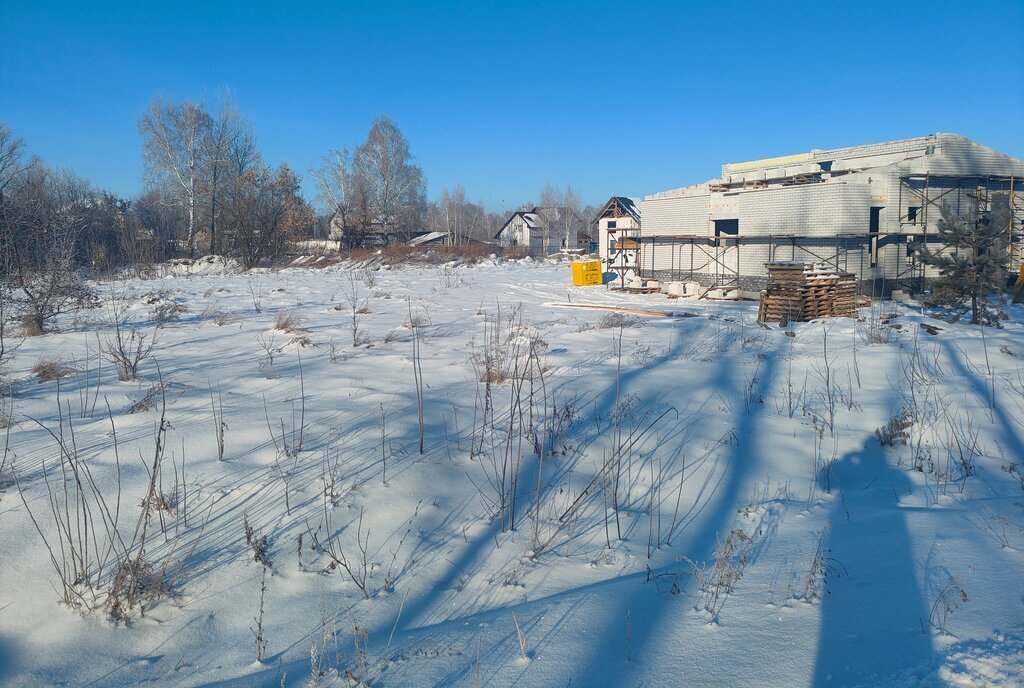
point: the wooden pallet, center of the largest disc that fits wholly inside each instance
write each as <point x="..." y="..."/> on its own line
<point x="799" y="292"/>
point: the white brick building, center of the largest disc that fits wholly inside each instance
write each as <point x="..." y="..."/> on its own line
<point x="862" y="209"/>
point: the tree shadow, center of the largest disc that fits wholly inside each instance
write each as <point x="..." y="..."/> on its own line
<point x="874" y="617"/>
<point x="7" y="660"/>
<point x="1006" y="423"/>
<point x="648" y="609"/>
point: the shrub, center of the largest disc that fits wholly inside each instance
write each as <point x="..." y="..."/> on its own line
<point x="896" y="431"/>
<point x="288" y="321"/>
<point x="615" y="320"/>
<point x="47" y="369"/>
<point x="166" y="312"/>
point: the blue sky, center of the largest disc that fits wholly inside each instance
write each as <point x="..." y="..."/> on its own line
<point x="623" y="98"/>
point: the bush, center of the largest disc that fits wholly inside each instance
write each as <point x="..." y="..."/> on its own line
<point x="288" y="321"/>
<point x="614" y="320"/>
<point x="47" y="369"/>
<point x="897" y="430"/>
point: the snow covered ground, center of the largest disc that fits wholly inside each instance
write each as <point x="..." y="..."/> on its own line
<point x="688" y="500"/>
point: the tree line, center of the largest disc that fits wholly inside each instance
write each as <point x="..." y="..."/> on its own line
<point x="209" y="190"/>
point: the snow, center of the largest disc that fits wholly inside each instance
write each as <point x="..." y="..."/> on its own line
<point x="726" y="420"/>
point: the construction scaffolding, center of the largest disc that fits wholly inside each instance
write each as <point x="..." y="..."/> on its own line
<point x="963" y="194"/>
<point x="718" y="262"/>
<point x="708" y="256"/>
<point x="622" y="251"/>
<point x="620" y="248"/>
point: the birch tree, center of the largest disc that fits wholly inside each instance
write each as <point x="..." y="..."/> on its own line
<point x="174" y="140"/>
<point x="458" y="218"/>
<point x="343" y="195"/>
<point x="228" y="151"/>
<point x="561" y="211"/>
<point x="394" y="187"/>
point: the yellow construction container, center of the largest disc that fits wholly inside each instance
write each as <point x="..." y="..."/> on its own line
<point x="586" y="273"/>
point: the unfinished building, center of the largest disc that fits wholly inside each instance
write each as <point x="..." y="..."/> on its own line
<point x="863" y="210"/>
<point x="618" y="226"/>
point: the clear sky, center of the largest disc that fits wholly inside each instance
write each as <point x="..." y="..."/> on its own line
<point x="614" y="98"/>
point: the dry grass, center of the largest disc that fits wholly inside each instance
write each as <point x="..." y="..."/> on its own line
<point x="47" y="369"/>
<point x="415" y="321"/>
<point x="149" y="400"/>
<point x="613" y="320"/>
<point x="434" y="255"/>
<point x="30" y="328"/>
<point x="219" y="318"/>
<point x="288" y="321"/>
<point x="166" y="312"/>
<point x="896" y="431"/>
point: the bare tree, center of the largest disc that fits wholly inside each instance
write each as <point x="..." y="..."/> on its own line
<point x="173" y="147"/>
<point x="128" y="346"/>
<point x="346" y="197"/>
<point x="46" y="214"/>
<point x="394" y="187"/>
<point x="264" y="209"/>
<point x="562" y="216"/>
<point x="458" y="218"/>
<point x="7" y="345"/>
<point x="571" y="219"/>
<point x="13" y="162"/>
<point x="155" y="219"/>
<point x="228" y="151"/>
<point x="13" y="165"/>
<point x="336" y="193"/>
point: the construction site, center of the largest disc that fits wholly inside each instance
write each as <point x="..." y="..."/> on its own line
<point x="862" y="210"/>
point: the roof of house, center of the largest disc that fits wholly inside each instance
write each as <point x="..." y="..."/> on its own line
<point x="530" y="218"/>
<point x="537" y="217"/>
<point x="427" y="238"/>
<point x="620" y="206"/>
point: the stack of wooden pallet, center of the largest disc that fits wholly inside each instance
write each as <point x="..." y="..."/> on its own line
<point x="799" y="292"/>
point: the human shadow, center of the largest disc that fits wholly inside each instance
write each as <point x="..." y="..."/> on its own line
<point x="873" y="615"/>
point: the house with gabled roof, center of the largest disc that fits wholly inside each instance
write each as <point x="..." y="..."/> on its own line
<point x="542" y="231"/>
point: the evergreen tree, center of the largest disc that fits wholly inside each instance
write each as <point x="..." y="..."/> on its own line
<point x="972" y="262"/>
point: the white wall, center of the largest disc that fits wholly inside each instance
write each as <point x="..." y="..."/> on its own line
<point x="823" y="209"/>
<point x="676" y="215"/>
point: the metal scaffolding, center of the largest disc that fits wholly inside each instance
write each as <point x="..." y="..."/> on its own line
<point x="963" y="194"/>
<point x="718" y="260"/>
<point x="883" y="261"/>
<point x="708" y="256"/>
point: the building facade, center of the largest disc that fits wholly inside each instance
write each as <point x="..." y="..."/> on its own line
<point x="542" y="231"/>
<point x="618" y="227"/>
<point x="863" y="209"/>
